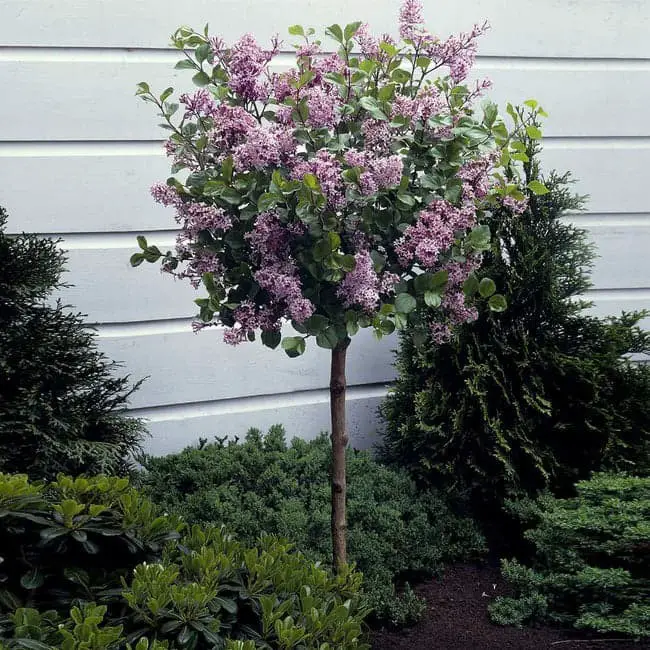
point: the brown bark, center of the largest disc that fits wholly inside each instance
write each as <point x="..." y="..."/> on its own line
<point x="339" y="443"/>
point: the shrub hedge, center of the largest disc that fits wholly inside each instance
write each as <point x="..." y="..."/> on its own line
<point x="264" y="485"/>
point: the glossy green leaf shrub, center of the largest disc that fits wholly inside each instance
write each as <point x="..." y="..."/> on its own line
<point x="91" y="563"/>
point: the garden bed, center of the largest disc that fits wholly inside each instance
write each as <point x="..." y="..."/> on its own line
<point x="457" y="619"/>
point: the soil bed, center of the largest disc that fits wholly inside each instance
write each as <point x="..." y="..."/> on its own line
<point x="457" y="619"/>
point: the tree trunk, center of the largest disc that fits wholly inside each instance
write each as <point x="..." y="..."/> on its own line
<point x="339" y="444"/>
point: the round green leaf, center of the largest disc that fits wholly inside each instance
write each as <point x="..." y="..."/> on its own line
<point x="405" y="303"/>
<point x="497" y="303"/>
<point x="486" y="287"/>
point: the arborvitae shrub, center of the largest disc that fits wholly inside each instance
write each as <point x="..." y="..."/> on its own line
<point x="75" y="543"/>
<point x="61" y="406"/>
<point x="535" y="397"/>
<point x="591" y="567"/>
<point x="263" y="485"/>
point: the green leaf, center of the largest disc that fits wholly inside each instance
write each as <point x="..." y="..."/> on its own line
<point x="136" y="259"/>
<point x="227" y="167"/>
<point x="406" y="199"/>
<point x="316" y="323"/>
<point x="142" y="242"/>
<point x="266" y="201"/>
<point x="166" y="94"/>
<point x="335" y="32"/>
<point x="294" y="346"/>
<point x="432" y="299"/>
<point x="143" y="87"/>
<point x="271" y="338"/>
<point x="470" y="286"/>
<point x="348" y="263"/>
<point x="405" y="303"/>
<point x="490" y="113"/>
<point x="537" y="188"/>
<point x="327" y="339"/>
<point x="533" y="132"/>
<point x="531" y="103"/>
<point x="497" y="303"/>
<point x="32" y="579"/>
<point x="185" y="64"/>
<point x="311" y="182"/>
<point x="352" y="327"/>
<point x="201" y="79"/>
<point x="351" y="30"/>
<point x="231" y="195"/>
<point x="296" y="30"/>
<point x="486" y="287"/>
<point x="371" y="105"/>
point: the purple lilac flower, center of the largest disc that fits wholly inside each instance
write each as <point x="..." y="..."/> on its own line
<point x="410" y="19"/>
<point x="324" y="105"/>
<point x="232" y="124"/>
<point x="199" y="216"/>
<point x="360" y="287"/>
<point x="432" y="234"/>
<point x="377" y="135"/>
<point x="367" y="42"/>
<point x="198" y="104"/>
<point x="166" y="195"/>
<point x="517" y="206"/>
<point x="246" y="64"/>
<point x="327" y="170"/>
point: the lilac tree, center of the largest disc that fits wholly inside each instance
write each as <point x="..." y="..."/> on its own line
<point x="346" y="192"/>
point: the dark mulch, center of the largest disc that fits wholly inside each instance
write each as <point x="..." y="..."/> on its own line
<point x="457" y="619"/>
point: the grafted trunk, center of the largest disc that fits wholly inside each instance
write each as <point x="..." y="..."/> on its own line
<point x="339" y="438"/>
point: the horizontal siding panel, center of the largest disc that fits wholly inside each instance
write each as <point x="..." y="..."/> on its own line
<point x="183" y="367"/>
<point x="580" y="28"/>
<point x="87" y="193"/>
<point x="171" y="435"/>
<point x="612" y="303"/>
<point x="105" y="192"/>
<point x="92" y="100"/>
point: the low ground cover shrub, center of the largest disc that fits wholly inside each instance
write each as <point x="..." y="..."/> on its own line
<point x="61" y="402"/>
<point x="264" y="485"/>
<point x="591" y="569"/>
<point x="94" y="560"/>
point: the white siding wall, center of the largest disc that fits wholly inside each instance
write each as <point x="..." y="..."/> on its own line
<point x="78" y="153"/>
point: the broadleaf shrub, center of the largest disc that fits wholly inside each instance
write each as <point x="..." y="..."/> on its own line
<point x="92" y="561"/>
<point x="264" y="485"/>
<point x="538" y="396"/>
<point x="61" y="404"/>
<point x="591" y="568"/>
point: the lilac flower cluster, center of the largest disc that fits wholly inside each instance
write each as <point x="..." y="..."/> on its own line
<point x="378" y="173"/>
<point x="247" y="64"/>
<point x="362" y="287"/>
<point x="327" y="169"/>
<point x="264" y="146"/>
<point x="198" y="104"/>
<point x="277" y="273"/>
<point x="432" y="234"/>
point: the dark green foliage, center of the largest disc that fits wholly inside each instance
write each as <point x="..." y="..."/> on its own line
<point x="263" y="485"/>
<point x="61" y="407"/>
<point x="69" y="545"/>
<point x="591" y="568"/>
<point x="535" y="397"/>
